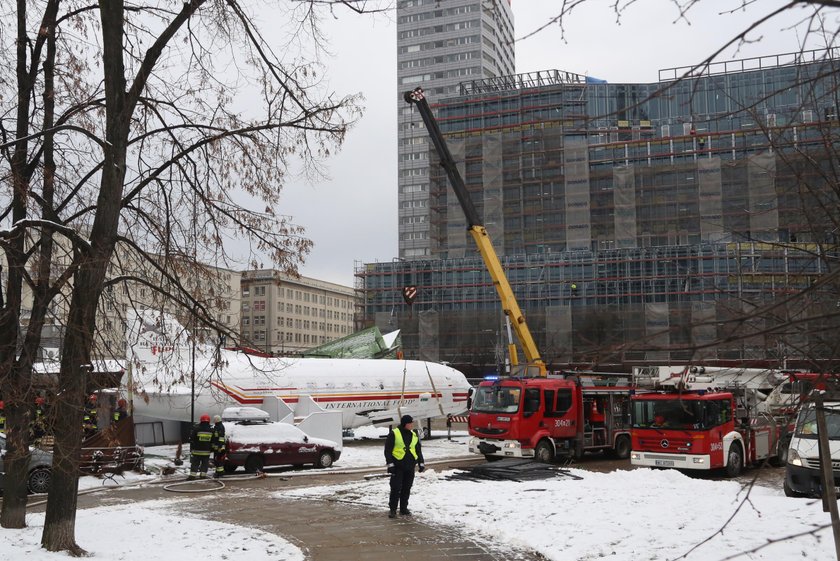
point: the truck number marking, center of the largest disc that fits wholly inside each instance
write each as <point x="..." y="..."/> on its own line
<point x="563" y="423"/>
<point x="716" y="446"/>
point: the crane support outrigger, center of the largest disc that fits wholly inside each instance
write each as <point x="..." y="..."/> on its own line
<point x="482" y="239"/>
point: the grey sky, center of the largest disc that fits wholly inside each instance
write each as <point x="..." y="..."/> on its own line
<point x="353" y="216"/>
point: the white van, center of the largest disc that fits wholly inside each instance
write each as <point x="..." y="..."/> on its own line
<point x="802" y="474"/>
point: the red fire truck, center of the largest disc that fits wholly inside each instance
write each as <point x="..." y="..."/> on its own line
<point x="679" y="425"/>
<point x="543" y="418"/>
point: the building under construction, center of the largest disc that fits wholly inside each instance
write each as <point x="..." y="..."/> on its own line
<point x="694" y="218"/>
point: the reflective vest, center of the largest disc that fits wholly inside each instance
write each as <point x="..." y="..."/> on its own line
<point x="2" y="420"/>
<point x="399" y="445"/>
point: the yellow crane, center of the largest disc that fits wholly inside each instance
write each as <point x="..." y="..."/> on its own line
<point x="535" y="364"/>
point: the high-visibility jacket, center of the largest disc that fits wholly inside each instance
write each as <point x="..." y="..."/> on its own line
<point x="89" y="419"/>
<point x="399" y="445"/>
<point x="201" y="440"/>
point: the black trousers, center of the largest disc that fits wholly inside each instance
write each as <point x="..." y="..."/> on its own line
<point x="199" y="465"/>
<point x="401" y="481"/>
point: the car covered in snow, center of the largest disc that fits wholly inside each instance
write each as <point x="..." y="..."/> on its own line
<point x="39" y="469"/>
<point x="257" y="443"/>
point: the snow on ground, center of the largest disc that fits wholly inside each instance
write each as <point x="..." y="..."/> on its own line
<point x="632" y="515"/>
<point x="151" y="532"/>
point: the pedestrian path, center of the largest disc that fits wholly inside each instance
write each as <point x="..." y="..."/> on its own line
<point x="325" y="530"/>
<point x="333" y="531"/>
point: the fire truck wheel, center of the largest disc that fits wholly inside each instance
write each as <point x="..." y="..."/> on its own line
<point x="544" y="452"/>
<point x="622" y="447"/>
<point x="735" y="460"/>
<point x="230" y="468"/>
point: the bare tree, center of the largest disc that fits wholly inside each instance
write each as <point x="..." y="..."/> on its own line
<point x="171" y="132"/>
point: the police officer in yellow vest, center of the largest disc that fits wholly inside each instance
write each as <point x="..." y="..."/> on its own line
<point x="402" y="454"/>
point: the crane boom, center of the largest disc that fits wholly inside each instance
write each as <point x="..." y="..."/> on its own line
<point x="481" y="238"/>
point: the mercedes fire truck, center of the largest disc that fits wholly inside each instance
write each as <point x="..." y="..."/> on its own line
<point x="707" y="419"/>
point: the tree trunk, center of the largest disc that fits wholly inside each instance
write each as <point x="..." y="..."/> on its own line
<point x="60" y="520"/>
<point x="16" y="462"/>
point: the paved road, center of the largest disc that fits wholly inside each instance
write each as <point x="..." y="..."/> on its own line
<point x="336" y="531"/>
<point x="326" y="530"/>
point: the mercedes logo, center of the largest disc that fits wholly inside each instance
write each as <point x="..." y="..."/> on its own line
<point x="664" y="443"/>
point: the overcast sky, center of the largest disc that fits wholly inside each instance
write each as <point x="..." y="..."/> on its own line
<point x="353" y="216"/>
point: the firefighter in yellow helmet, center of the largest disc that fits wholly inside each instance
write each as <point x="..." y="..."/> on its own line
<point x="402" y="454"/>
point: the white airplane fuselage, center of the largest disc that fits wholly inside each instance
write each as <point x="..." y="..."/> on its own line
<point x="170" y="380"/>
<point x="355" y="387"/>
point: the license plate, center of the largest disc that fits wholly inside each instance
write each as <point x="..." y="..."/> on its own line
<point x="664" y="463"/>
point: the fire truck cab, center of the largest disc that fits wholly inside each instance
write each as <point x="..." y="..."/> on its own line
<point x="678" y="426"/>
<point x="543" y="418"/>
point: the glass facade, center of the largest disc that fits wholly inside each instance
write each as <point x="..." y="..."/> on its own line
<point x="638" y="222"/>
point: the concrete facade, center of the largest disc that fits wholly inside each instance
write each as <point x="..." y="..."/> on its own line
<point x="439" y="45"/>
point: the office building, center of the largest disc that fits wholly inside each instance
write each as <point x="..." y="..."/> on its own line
<point x="282" y="315"/>
<point x="439" y="45"/>
<point x="637" y="222"/>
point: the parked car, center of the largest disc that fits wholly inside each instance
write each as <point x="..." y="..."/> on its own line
<point x="256" y="444"/>
<point x="40" y="468"/>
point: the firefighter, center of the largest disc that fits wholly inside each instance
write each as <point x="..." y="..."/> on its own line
<point x="38" y="426"/>
<point x="2" y="416"/>
<point x="120" y="412"/>
<point x="201" y="443"/>
<point x="89" y="421"/>
<point x="218" y="446"/>
<point x="402" y="454"/>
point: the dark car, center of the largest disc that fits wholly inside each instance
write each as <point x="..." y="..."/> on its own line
<point x="40" y="468"/>
<point x="258" y="444"/>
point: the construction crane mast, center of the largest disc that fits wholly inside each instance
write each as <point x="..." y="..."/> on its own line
<point x="535" y="364"/>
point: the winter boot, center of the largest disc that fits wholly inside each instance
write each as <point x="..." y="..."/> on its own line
<point x="392" y="514"/>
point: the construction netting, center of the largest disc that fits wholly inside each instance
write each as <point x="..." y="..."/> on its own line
<point x="493" y="216"/>
<point x="558" y="332"/>
<point x="763" y="200"/>
<point x="624" y="199"/>
<point x="459" y="243"/>
<point x="657" y="326"/>
<point x="578" y="219"/>
<point x="710" y="189"/>
<point x="429" y="332"/>
<point x="703" y="329"/>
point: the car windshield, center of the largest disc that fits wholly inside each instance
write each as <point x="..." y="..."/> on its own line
<point x="496" y="399"/>
<point x="806" y="423"/>
<point x="680" y="413"/>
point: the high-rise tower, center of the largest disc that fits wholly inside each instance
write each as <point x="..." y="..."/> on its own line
<point x="440" y="43"/>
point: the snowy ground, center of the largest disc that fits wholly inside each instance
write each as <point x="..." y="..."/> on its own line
<point x="632" y="515"/>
